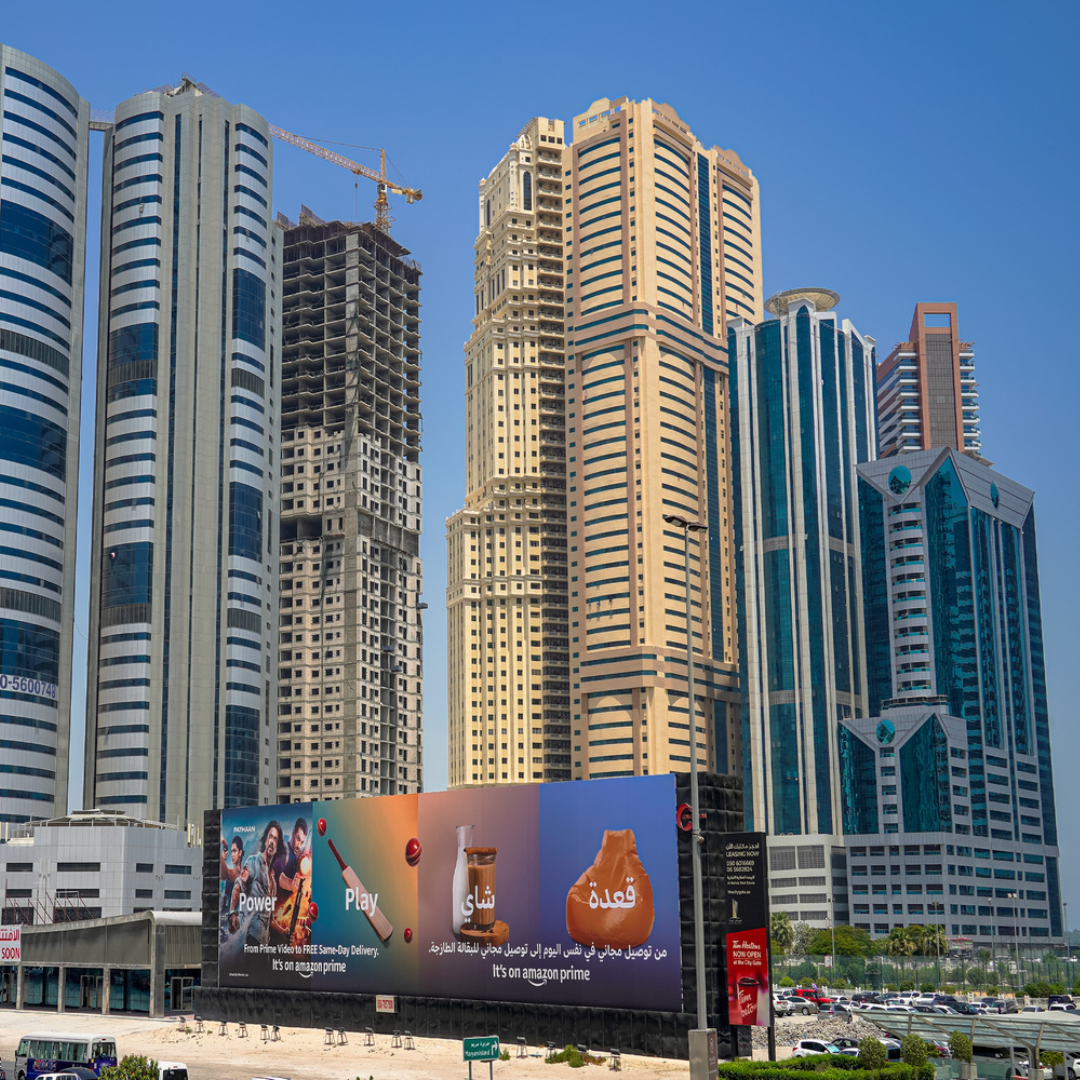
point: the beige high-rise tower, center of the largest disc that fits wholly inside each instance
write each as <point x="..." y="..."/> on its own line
<point x="663" y="246"/>
<point x="506" y="565"/>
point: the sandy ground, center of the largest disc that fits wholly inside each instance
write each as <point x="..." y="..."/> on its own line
<point x="301" y="1053"/>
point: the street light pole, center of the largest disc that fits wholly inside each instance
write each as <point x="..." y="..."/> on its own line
<point x="689" y="526"/>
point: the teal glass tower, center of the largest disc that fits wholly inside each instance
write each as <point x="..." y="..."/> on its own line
<point x="803" y="414"/>
<point x="955" y="756"/>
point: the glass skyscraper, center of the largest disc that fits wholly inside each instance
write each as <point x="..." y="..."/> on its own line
<point x="954" y="761"/>
<point x="802" y="408"/>
<point x="183" y="590"/>
<point x="43" y="143"/>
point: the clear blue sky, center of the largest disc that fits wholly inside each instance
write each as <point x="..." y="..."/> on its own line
<point x="906" y="152"/>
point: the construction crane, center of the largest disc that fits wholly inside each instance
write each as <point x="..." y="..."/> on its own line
<point x="382" y="203"/>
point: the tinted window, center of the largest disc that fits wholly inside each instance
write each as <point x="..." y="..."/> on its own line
<point x="29" y="651"/>
<point x="32" y="440"/>
<point x="249" y="308"/>
<point x="245" y="521"/>
<point x="126" y="575"/>
<point x="26" y="234"/>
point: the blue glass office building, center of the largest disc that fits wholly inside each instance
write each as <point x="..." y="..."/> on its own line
<point x="43" y="143"/>
<point x="183" y="649"/>
<point x="802" y="407"/>
<point x="949" y="780"/>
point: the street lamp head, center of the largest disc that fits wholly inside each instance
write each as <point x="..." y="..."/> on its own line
<point x="686" y="523"/>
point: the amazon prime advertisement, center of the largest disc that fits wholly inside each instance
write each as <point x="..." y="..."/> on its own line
<point x="556" y="893"/>
<point x="747" y="939"/>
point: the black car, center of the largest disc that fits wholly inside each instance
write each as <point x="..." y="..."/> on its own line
<point x="965" y="1008"/>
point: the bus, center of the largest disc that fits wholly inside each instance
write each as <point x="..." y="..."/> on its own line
<point x="48" y="1052"/>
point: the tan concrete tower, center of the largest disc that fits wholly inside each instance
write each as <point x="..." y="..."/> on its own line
<point x="663" y="247"/>
<point x="506" y="550"/>
<point x="350" y="705"/>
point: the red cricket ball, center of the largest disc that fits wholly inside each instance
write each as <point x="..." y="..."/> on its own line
<point x="313" y="911"/>
<point x="321" y="826"/>
<point x="408" y="935"/>
<point x="412" y="852"/>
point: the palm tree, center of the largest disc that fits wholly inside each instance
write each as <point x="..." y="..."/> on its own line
<point x="900" y="943"/>
<point x="781" y="931"/>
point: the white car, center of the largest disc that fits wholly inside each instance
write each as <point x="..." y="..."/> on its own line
<point x="808" y="1047"/>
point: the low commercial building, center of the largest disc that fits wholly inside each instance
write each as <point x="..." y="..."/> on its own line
<point x="145" y="963"/>
<point x="96" y="864"/>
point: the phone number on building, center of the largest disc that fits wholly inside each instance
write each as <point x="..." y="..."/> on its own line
<point x="21" y="684"/>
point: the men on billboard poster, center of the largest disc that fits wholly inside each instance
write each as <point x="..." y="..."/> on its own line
<point x="562" y="893"/>
<point x="747" y="938"/>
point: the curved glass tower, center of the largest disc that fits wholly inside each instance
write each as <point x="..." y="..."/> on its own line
<point x="183" y="594"/>
<point x="43" y="145"/>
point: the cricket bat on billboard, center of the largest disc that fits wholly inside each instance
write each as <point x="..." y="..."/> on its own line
<point x="357" y="897"/>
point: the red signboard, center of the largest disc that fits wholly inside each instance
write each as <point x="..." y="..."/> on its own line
<point x="748" y="977"/>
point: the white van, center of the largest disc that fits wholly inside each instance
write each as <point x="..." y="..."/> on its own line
<point x="172" y="1070"/>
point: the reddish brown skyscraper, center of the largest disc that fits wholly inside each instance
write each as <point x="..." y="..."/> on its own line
<point x="926" y="390"/>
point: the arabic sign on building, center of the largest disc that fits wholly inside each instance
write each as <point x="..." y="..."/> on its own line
<point x="747" y="939"/>
<point x="558" y="893"/>
<point x="10" y="944"/>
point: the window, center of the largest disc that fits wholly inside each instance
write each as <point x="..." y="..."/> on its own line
<point x="127" y="571"/>
<point x="144" y="868"/>
<point x="26" y="234"/>
<point x="31" y="440"/>
<point x="245" y="521"/>
<point x="249" y="308"/>
<point x="172" y="868"/>
<point x="526" y="191"/>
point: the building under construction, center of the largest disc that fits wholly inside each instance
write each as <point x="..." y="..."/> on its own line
<point x="351" y="636"/>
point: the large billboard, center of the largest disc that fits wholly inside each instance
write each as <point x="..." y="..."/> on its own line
<point x="558" y="893"/>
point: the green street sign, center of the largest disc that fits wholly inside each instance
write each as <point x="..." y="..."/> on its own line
<point x="481" y="1048"/>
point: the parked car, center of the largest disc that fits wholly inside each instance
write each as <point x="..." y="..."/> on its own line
<point x="846" y="1044"/>
<point x="782" y="1006"/>
<point x="807" y="1047"/>
<point x="804" y="1006"/>
<point x="1033" y="1009"/>
<point x="809" y="994"/>
<point x="965" y="1008"/>
<point x="1025" y="1072"/>
<point x="1064" y="1007"/>
<point x="1059" y="999"/>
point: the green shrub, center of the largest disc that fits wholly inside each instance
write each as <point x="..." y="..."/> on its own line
<point x="806" y="982"/>
<point x="927" y="988"/>
<point x="787" y="980"/>
<point x="907" y="984"/>
<point x="913" y="1050"/>
<point x="992" y="989"/>
<point x="890" y="986"/>
<point x="960" y="1045"/>
<point x="1039" y="989"/>
<point x="1053" y="1058"/>
<point x="839" y="984"/>
<point x="504" y="1055"/>
<point x="872" y="1053"/>
<point x="822" y="1067"/>
<point x="132" y="1067"/>
<point x="571" y="1056"/>
<point x="948" y="988"/>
